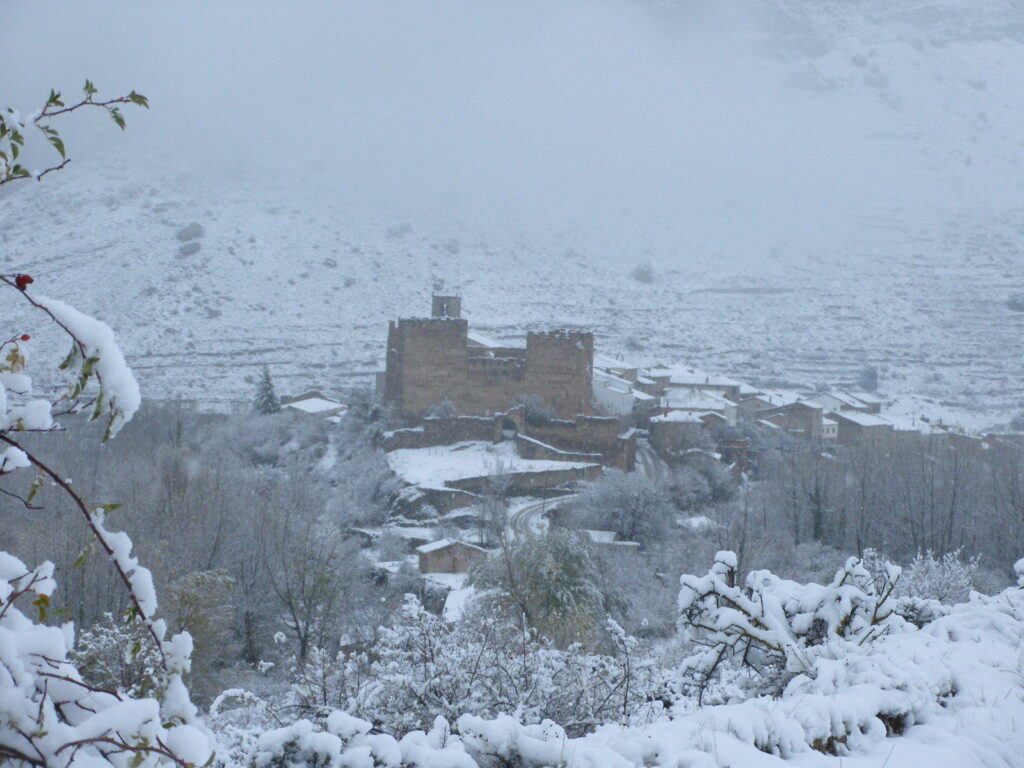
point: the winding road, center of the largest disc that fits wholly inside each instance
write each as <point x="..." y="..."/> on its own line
<point x="531" y="519"/>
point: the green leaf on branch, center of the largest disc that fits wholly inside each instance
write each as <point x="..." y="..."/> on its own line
<point x="34" y="488"/>
<point x="89" y="89"/>
<point x="42" y="602"/>
<point x="71" y="359"/>
<point x="138" y="98"/>
<point x="57" y="143"/>
<point x="115" y="113"/>
<point x="54" y="100"/>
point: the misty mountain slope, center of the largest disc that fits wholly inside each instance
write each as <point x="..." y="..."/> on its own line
<point x="818" y="187"/>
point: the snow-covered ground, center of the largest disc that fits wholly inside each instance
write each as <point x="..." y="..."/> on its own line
<point x="433" y="467"/>
<point x="874" y="217"/>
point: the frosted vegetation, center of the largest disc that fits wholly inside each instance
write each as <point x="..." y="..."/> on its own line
<point x="185" y="589"/>
<point x="300" y="652"/>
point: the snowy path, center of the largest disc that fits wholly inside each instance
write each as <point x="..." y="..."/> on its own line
<point x="532" y="519"/>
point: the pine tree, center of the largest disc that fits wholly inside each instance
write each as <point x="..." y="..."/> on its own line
<point x="266" y="401"/>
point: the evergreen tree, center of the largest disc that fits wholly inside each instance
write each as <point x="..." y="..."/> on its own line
<point x="266" y="401"/>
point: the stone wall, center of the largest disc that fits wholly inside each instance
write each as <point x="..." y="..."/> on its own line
<point x="529" y="448"/>
<point x="589" y="434"/>
<point x="519" y="482"/>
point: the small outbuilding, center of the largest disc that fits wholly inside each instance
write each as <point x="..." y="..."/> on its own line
<point x="448" y="556"/>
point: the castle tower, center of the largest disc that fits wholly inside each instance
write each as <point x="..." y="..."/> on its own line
<point x="446" y="306"/>
<point x="559" y="368"/>
<point x="426" y="363"/>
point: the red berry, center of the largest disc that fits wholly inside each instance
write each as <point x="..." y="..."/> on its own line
<point x="23" y="280"/>
<point x="25" y="337"/>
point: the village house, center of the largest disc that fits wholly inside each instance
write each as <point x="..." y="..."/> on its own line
<point x="857" y="426"/>
<point x="314" y="403"/>
<point x="448" y="556"/>
<point x="698" y="401"/>
<point x="846" y="401"/>
<point x="678" y="431"/>
<point x="801" y="418"/>
<point x="683" y="378"/>
<point x="613" y="395"/>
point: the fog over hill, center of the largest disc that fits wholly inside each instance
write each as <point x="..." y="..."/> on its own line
<point x="817" y="186"/>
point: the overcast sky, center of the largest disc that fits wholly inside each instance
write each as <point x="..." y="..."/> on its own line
<point x="536" y="111"/>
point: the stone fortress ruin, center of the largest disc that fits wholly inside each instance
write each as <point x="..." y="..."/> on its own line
<point x="433" y="360"/>
<point x="437" y="360"/>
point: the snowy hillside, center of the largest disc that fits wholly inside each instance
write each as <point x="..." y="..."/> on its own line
<point x="897" y="243"/>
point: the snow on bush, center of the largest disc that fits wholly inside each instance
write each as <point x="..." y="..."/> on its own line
<point x="422" y="668"/>
<point x="50" y="715"/>
<point x="776" y="627"/>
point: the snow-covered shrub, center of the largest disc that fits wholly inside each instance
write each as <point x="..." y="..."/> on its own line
<point x="50" y="714"/>
<point x="947" y="579"/>
<point x="422" y="668"/>
<point x="536" y="410"/>
<point x="928" y="585"/>
<point x="552" y="582"/>
<point x="343" y="740"/>
<point x="119" y="657"/>
<point x="779" y="628"/>
<point x="630" y="504"/>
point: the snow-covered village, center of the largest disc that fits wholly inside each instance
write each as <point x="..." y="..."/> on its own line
<point x="493" y="384"/>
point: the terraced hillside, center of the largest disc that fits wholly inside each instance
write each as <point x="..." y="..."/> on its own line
<point x="897" y="243"/>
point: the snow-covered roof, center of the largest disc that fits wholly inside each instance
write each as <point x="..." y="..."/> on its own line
<point x="868" y="397"/>
<point x="695" y="400"/>
<point x="442" y="543"/>
<point x="779" y="397"/>
<point x="315" y="405"/>
<point x="863" y="419"/>
<point x="638" y="395"/>
<point x="692" y="377"/>
<point x="688" y="417"/>
<point x="845" y="398"/>
<point x="603" y="361"/>
<point x="602" y="537"/>
<point x="614" y="383"/>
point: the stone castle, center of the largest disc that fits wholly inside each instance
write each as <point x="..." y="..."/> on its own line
<point x="435" y="359"/>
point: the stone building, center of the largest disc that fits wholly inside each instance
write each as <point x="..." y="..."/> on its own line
<point x="801" y="418"/>
<point x="432" y="360"/>
<point x="447" y="556"/>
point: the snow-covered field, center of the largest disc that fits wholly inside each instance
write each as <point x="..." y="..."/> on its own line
<point x="899" y="248"/>
<point x="874" y="217"/>
<point x="433" y="467"/>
